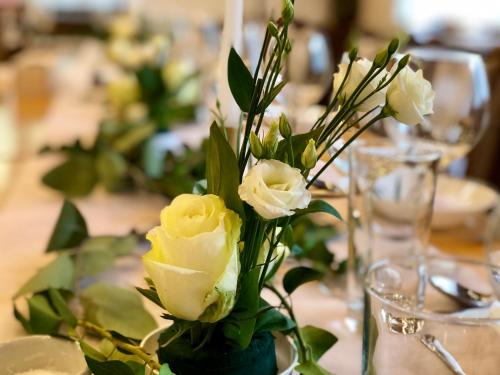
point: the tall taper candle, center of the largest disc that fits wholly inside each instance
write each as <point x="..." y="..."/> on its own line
<point x="231" y="37"/>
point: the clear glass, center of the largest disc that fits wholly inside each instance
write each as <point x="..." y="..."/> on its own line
<point x="391" y="192"/>
<point x="461" y="105"/>
<point x="396" y="327"/>
<point x="394" y="191"/>
<point x="492" y="238"/>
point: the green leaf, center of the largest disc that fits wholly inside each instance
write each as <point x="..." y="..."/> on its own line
<point x="59" y="274"/>
<point x="111" y="169"/>
<point x="70" y="229"/>
<point x="165" y="370"/>
<point x="151" y="295"/>
<point x="298" y="276"/>
<point x="117" y="309"/>
<point x="131" y="139"/>
<point x="266" y="102"/>
<point x="89" y="351"/>
<point x="108" y="368"/>
<point x="299" y="144"/>
<point x="223" y="172"/>
<point x="117" y="245"/>
<point x="311" y="368"/>
<point x="61" y="307"/>
<point x="174" y="331"/>
<point x="273" y="320"/>
<point x="76" y="177"/>
<point x="240" y="325"/>
<point x="240" y="81"/>
<point x="95" y="262"/>
<point x="318" y="339"/>
<point x="318" y="206"/>
<point x="43" y="319"/>
<point x="22" y="319"/>
<point x="137" y="368"/>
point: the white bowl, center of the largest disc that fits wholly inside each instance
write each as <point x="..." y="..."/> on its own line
<point x="457" y="199"/>
<point x="40" y="352"/>
<point x="286" y="354"/>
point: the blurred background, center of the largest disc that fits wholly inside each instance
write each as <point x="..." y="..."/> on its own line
<point x="51" y="50"/>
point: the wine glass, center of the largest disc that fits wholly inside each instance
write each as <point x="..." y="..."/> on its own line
<point x="461" y="105"/>
<point x="308" y="70"/>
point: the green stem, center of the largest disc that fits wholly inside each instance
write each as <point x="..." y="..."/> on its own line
<point x="288" y="307"/>
<point x="129" y="348"/>
<point x="380" y="116"/>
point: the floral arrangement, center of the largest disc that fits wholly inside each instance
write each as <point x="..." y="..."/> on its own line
<point x="151" y="91"/>
<point x="215" y="258"/>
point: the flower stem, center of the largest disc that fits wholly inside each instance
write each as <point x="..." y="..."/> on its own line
<point x="132" y="349"/>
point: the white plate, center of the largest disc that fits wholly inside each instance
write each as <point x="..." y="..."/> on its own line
<point x="456" y="200"/>
<point x="40" y="352"/>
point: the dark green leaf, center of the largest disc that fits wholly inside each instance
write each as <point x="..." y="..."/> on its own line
<point x="43" y="319"/>
<point x="111" y="169"/>
<point x="240" y="81"/>
<point x="151" y="295"/>
<point x="174" y="331"/>
<point x="271" y="96"/>
<point x="273" y="320"/>
<point x="108" y="368"/>
<point x="240" y="325"/>
<point x="311" y="368"/>
<point x="76" y="177"/>
<point x="165" y="370"/>
<point x="70" y="229"/>
<point x="222" y="171"/>
<point x="117" y="309"/>
<point x="318" y="206"/>
<point x="61" y="307"/>
<point x="318" y="339"/>
<point x="298" y="276"/>
<point x="59" y="274"/>
<point x="22" y="319"/>
<point x="137" y="368"/>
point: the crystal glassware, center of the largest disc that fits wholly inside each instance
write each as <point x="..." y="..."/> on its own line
<point x="401" y="336"/>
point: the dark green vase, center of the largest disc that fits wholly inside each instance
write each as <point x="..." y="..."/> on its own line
<point x="259" y="358"/>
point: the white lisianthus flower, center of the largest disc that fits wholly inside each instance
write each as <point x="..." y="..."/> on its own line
<point x="193" y="260"/>
<point x="410" y="96"/>
<point x="358" y="71"/>
<point x="274" y="189"/>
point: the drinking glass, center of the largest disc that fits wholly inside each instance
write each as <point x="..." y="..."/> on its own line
<point x="308" y="70"/>
<point x="391" y="192"/>
<point x="461" y="105"/>
<point x="401" y="337"/>
<point x="492" y="237"/>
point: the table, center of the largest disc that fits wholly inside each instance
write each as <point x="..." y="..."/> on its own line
<point x="29" y="210"/>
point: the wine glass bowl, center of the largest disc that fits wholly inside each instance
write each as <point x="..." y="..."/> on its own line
<point x="461" y="105"/>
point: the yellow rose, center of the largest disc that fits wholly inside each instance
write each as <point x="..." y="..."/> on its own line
<point x="193" y="260"/>
<point x="123" y="91"/>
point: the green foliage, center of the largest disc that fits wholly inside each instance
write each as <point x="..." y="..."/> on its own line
<point x="151" y="295"/>
<point x="75" y="177"/>
<point x="165" y="370"/>
<point x="70" y="229"/>
<point x="299" y="276"/>
<point x="43" y="318"/>
<point x="58" y="274"/>
<point x="222" y="171"/>
<point x="319" y="340"/>
<point x="240" y="81"/>
<point x="117" y="309"/>
<point x="239" y="327"/>
<point x="62" y="308"/>
<point x="273" y="320"/>
<point x="317" y="206"/>
<point x="108" y="368"/>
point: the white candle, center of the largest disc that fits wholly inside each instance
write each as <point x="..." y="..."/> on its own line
<point x="231" y="37"/>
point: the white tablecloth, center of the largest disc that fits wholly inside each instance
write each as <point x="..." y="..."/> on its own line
<point x="28" y="212"/>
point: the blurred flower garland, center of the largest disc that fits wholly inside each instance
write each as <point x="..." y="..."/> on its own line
<point x="152" y="92"/>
